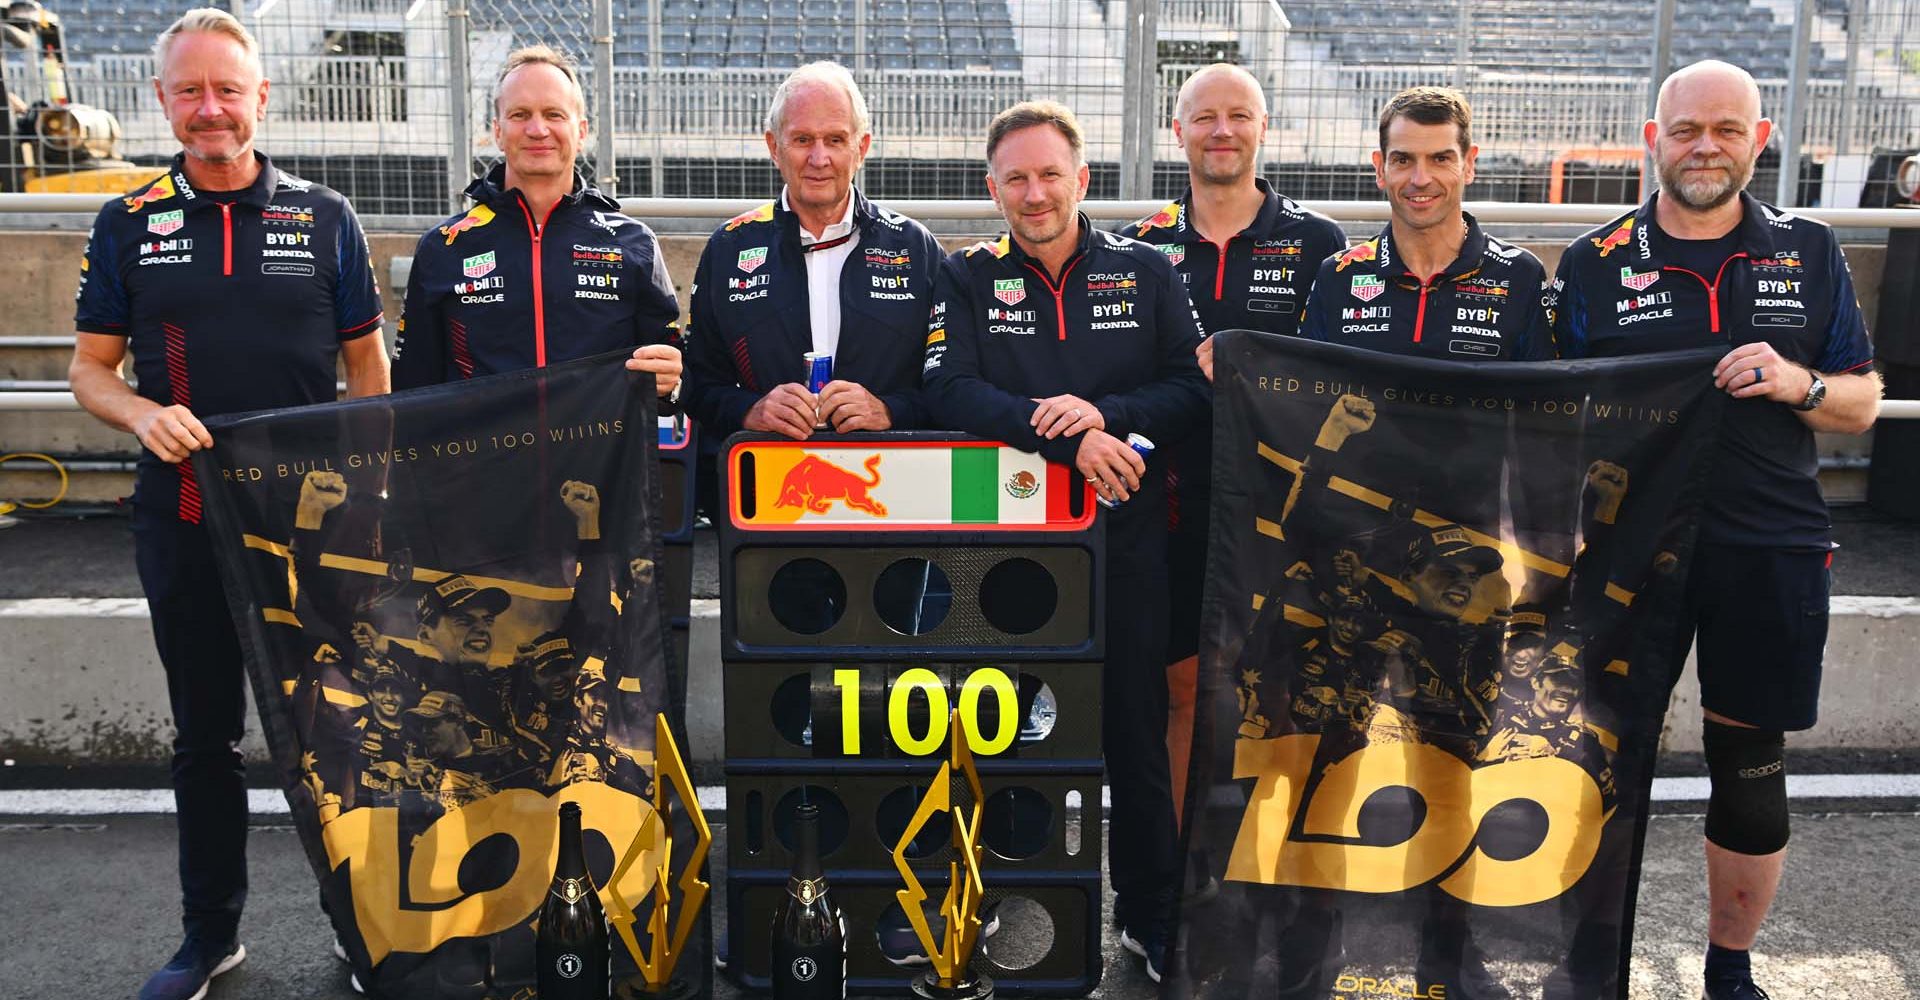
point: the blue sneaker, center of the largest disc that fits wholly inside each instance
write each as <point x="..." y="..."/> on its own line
<point x="1149" y="943"/>
<point x="190" y="970"/>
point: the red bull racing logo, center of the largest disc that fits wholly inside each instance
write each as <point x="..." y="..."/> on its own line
<point x="1368" y="251"/>
<point x="1617" y="238"/>
<point x="159" y="190"/>
<point x="815" y="483"/>
<point x="480" y="216"/>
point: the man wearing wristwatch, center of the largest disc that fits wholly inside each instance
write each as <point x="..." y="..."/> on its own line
<point x="1701" y="263"/>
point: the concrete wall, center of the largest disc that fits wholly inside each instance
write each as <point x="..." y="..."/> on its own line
<point x="82" y="684"/>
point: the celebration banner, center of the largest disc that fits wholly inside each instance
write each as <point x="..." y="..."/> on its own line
<point x="1438" y="639"/>
<point x="448" y="605"/>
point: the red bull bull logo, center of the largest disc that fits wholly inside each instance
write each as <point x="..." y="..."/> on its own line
<point x="997" y="248"/>
<point x="815" y="483"/>
<point x="159" y="190"/>
<point x="762" y="214"/>
<point x="1370" y="250"/>
<point x="480" y="216"/>
<point x="1166" y="218"/>
<point x="1615" y="239"/>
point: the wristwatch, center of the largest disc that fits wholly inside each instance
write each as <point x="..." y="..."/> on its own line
<point x="1816" y="394"/>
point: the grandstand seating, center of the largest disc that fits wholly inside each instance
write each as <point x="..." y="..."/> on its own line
<point x="1605" y="37"/>
<point x="944" y="35"/>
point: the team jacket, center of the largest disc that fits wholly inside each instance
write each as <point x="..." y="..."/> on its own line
<point x="495" y="290"/>
<point x="750" y="325"/>
<point x="1261" y="281"/>
<point x="1489" y="304"/>
<point x="1116" y="331"/>
<point x="230" y="301"/>
<point x="1787" y="285"/>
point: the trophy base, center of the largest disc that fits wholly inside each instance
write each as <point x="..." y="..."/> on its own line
<point x="639" y="989"/>
<point x="978" y="987"/>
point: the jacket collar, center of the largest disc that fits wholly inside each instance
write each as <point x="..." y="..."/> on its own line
<point x="863" y="213"/>
<point x="490" y="189"/>
<point x="1262" y="221"/>
<point x="259" y="194"/>
<point x="1019" y="255"/>
<point x="1754" y="233"/>
<point x="1472" y="251"/>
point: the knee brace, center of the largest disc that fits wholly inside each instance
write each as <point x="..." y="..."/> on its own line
<point x="1747" y="811"/>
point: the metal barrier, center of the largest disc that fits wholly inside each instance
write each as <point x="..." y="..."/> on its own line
<point x="724" y="208"/>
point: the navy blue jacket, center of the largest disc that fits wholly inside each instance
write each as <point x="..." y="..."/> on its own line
<point x="1261" y="281"/>
<point x="230" y="301"/>
<point x="1116" y="330"/>
<point x="492" y="291"/>
<point x="751" y="325"/>
<point x="1785" y="283"/>
<point x="1490" y="304"/>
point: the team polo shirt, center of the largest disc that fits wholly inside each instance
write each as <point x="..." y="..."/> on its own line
<point x="496" y="290"/>
<point x="1629" y="288"/>
<point x="1259" y="281"/>
<point x="1489" y="304"/>
<point x="230" y="301"/>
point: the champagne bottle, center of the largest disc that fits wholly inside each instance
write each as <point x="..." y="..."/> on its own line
<point x="809" y="937"/>
<point x="570" y="946"/>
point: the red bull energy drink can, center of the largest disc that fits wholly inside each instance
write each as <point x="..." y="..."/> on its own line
<point x="819" y="370"/>
<point x="1142" y="447"/>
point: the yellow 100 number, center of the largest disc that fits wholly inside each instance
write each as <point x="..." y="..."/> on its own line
<point x="934" y="689"/>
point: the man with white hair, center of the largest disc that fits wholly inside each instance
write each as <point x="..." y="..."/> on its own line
<point x="236" y="287"/>
<point x="543" y="268"/>
<point x="818" y="270"/>
<point x="1703" y="264"/>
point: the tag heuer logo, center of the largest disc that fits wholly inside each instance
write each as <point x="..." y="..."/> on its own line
<point x="750" y="260"/>
<point x="1367" y="287"/>
<point x="1012" y="291"/>
<point x="163" y="223"/>
<point x="1175" y="252"/>
<point x="1638" y="282"/>
<point x="478" y="266"/>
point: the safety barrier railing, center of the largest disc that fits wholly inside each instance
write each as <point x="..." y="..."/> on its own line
<point x="723" y="208"/>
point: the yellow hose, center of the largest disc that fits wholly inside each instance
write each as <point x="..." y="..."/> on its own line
<point x="7" y="507"/>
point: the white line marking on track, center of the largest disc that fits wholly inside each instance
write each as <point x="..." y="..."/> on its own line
<point x="713" y="798"/>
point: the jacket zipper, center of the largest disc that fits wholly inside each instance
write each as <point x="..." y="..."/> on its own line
<point x="539" y="297"/>
<point x="1713" y="287"/>
<point x="1420" y="315"/>
<point x="1059" y="294"/>
<point x="1220" y="270"/>
<point x="226" y="242"/>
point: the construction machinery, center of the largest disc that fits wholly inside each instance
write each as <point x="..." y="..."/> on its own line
<point x="52" y="143"/>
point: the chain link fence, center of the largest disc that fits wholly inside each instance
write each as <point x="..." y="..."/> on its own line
<point x="388" y="100"/>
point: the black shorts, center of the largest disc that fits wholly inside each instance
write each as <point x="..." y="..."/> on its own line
<point x="1761" y="618"/>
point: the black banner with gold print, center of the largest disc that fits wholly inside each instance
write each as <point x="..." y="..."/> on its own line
<point x="1438" y="639"/>
<point x="449" y="609"/>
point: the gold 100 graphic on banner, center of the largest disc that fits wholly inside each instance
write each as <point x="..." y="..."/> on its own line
<point x="1457" y="798"/>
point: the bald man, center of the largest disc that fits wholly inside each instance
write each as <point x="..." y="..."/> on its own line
<point x="1702" y="263"/>
<point x="1247" y="256"/>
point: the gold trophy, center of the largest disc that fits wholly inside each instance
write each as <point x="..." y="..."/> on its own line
<point x="950" y="977"/>
<point x="664" y="948"/>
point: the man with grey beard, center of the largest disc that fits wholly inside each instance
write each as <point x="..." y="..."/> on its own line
<point x="1700" y="264"/>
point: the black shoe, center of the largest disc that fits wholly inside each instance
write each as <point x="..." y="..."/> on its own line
<point x="1463" y="972"/>
<point x="1149" y="943"/>
<point x="187" y="974"/>
<point x="1733" y="989"/>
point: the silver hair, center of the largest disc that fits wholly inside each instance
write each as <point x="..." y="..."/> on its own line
<point x="208" y="19"/>
<point x="831" y="74"/>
